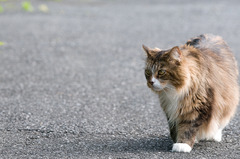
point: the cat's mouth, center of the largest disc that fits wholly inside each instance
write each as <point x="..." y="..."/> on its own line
<point x="157" y="89"/>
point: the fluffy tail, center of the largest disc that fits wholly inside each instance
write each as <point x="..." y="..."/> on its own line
<point x="216" y="44"/>
<point x="207" y="41"/>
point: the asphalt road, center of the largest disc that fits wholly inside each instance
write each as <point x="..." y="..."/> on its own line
<point x="72" y="83"/>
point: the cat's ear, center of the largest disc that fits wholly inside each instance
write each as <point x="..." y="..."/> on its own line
<point x="146" y="49"/>
<point x="176" y="53"/>
<point x="150" y="52"/>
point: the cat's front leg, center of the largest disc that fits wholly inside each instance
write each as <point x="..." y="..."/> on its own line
<point x="173" y="131"/>
<point x="186" y="134"/>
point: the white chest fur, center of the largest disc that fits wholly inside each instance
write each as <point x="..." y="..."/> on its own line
<point x="169" y="102"/>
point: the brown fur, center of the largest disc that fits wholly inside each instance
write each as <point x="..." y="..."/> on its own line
<point x="201" y="91"/>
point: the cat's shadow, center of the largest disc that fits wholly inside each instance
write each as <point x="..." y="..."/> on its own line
<point x="132" y="145"/>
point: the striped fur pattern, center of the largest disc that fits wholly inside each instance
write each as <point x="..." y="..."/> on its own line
<point x="197" y="84"/>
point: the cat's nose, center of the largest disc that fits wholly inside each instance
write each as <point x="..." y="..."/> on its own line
<point x="151" y="82"/>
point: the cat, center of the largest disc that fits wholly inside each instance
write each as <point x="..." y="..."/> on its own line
<point x="197" y="84"/>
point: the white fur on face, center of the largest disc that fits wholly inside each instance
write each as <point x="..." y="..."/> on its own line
<point x="181" y="147"/>
<point x="156" y="84"/>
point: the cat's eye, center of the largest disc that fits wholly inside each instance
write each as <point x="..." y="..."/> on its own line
<point x="161" y="72"/>
<point x="148" y="73"/>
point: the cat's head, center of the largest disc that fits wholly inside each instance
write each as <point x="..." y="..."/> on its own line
<point x="165" y="69"/>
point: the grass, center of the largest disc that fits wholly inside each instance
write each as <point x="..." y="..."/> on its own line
<point x="1" y="9"/>
<point x="2" y="43"/>
<point x="27" y="6"/>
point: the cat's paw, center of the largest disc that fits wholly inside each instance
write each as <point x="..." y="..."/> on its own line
<point x="218" y="136"/>
<point x="181" y="147"/>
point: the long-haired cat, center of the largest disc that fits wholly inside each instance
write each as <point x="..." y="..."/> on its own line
<point x="197" y="84"/>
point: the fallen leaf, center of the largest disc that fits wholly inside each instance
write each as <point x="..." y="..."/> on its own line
<point x="43" y="8"/>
